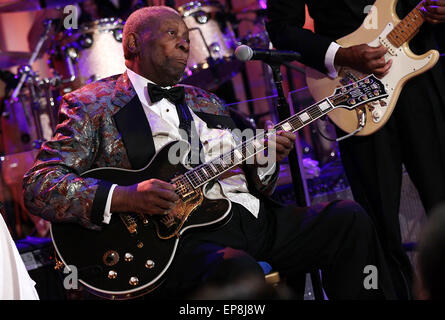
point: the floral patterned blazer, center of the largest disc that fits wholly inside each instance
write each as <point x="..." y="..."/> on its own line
<point x="103" y="124"/>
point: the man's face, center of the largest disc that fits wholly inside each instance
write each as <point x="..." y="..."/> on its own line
<point x="165" y="50"/>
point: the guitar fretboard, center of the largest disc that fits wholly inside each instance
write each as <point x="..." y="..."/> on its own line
<point x="349" y="96"/>
<point x="407" y="28"/>
<point x="249" y="148"/>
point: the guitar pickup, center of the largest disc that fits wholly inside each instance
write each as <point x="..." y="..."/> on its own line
<point x="388" y="45"/>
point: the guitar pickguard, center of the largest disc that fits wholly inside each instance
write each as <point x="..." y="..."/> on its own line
<point x="170" y="225"/>
<point x="402" y="66"/>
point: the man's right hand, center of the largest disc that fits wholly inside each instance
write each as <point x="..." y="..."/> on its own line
<point x="148" y="197"/>
<point x="364" y="58"/>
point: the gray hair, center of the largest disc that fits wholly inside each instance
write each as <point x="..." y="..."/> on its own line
<point x="141" y="20"/>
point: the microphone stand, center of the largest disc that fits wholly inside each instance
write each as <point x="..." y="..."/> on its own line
<point x="301" y="197"/>
<point x="284" y="113"/>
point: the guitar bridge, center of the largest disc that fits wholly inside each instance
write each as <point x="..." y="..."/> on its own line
<point x="129" y="222"/>
<point x="184" y="189"/>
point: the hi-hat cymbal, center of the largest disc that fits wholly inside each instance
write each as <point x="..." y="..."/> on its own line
<point x="10" y="59"/>
<point x="31" y="5"/>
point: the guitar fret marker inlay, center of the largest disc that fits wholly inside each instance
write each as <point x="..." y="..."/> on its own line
<point x="304" y="117"/>
<point x="324" y="106"/>
<point x="238" y="154"/>
<point x="286" y="126"/>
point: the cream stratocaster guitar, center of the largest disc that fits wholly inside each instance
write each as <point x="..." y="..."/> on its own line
<point x="381" y="26"/>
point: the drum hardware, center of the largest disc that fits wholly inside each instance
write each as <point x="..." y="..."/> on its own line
<point x="214" y="48"/>
<point x="51" y="88"/>
<point x="92" y="52"/>
<point x="28" y="118"/>
<point x="212" y="43"/>
<point x="35" y="109"/>
<point x="85" y="42"/>
<point x="44" y="107"/>
<point x="57" y="80"/>
<point x="26" y="122"/>
<point x="71" y="56"/>
<point x="201" y="17"/>
<point x="33" y="57"/>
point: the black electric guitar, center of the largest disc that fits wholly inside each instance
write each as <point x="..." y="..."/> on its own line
<point x="130" y="256"/>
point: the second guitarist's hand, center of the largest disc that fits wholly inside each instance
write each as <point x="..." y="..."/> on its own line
<point x="364" y="58"/>
<point x="148" y="197"/>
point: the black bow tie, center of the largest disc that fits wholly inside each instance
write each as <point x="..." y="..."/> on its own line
<point x="175" y="94"/>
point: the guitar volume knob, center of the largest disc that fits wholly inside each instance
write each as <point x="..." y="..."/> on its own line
<point x="149" y="264"/>
<point x="112" y="274"/>
<point x="133" y="281"/>
<point x="376" y="115"/>
<point x="128" y="257"/>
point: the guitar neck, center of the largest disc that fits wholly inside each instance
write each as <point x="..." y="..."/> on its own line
<point x="249" y="148"/>
<point x="407" y="28"/>
<point x="349" y="96"/>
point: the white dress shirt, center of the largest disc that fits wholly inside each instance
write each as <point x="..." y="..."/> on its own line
<point x="15" y="282"/>
<point x="329" y="59"/>
<point x="164" y="122"/>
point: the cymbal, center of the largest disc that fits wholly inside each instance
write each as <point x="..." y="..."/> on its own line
<point x="10" y="59"/>
<point x="31" y="5"/>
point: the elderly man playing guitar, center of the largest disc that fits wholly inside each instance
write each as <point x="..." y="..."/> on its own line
<point x="130" y="121"/>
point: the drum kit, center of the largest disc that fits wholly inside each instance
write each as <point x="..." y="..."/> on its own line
<point x="91" y="52"/>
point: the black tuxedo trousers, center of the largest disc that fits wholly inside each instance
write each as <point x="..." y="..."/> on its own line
<point x="338" y="238"/>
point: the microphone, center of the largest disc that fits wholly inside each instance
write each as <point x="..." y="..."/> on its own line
<point x="246" y="53"/>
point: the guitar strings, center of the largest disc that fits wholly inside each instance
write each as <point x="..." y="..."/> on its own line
<point x="215" y="167"/>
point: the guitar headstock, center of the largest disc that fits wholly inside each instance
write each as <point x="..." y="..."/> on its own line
<point x="357" y="93"/>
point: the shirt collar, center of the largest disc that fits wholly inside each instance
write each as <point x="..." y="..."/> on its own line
<point x="140" y="86"/>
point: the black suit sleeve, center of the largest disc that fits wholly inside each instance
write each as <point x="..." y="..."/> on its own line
<point x="285" y="27"/>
